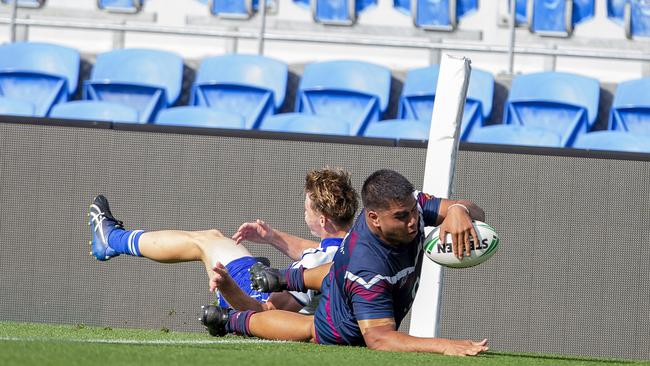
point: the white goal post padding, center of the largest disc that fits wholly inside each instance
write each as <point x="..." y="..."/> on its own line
<point x="438" y="178"/>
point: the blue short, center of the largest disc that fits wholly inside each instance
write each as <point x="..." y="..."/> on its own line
<point x="238" y="270"/>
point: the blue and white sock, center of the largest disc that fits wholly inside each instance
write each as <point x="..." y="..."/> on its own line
<point x="125" y="241"/>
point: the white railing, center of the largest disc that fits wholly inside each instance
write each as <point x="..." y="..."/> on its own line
<point x="433" y="41"/>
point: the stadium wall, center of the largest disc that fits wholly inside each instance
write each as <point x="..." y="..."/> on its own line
<point x="571" y="276"/>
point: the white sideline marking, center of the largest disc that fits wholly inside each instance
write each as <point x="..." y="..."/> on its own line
<point x="144" y="342"/>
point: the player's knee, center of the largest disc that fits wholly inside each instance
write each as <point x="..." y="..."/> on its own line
<point x="204" y="239"/>
<point x="214" y="233"/>
<point x="207" y="236"/>
<point x="210" y="242"/>
<point x="312" y="332"/>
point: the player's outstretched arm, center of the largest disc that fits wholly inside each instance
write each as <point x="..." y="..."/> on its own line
<point x="380" y="334"/>
<point x="261" y="232"/>
<point x="236" y="297"/>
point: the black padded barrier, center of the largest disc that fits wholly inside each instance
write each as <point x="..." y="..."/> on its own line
<point x="571" y="275"/>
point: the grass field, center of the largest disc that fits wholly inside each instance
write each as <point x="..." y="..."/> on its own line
<point x="44" y="344"/>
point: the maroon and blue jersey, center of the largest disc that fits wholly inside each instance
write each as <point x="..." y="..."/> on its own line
<point x="370" y="279"/>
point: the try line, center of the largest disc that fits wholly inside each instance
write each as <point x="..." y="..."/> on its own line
<point x="143" y="342"/>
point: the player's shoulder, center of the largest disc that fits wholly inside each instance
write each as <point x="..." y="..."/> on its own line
<point x="368" y="258"/>
<point x="422" y="198"/>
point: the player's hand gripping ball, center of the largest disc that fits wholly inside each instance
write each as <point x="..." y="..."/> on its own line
<point x="480" y="250"/>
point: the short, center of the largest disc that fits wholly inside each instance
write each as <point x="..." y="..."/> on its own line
<point x="238" y="270"/>
<point x="324" y="328"/>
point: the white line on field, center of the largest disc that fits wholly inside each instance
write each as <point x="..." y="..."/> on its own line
<point x="134" y="341"/>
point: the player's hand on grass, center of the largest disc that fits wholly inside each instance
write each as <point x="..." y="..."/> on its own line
<point x="458" y="223"/>
<point x="221" y="278"/>
<point x="257" y="232"/>
<point x="465" y="347"/>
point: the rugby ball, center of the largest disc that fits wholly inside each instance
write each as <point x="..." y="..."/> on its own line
<point x="488" y="242"/>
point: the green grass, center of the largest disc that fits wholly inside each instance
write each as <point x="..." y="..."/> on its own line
<point x="44" y="344"/>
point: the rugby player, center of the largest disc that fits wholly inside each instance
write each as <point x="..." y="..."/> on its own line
<point x="372" y="282"/>
<point x="330" y="206"/>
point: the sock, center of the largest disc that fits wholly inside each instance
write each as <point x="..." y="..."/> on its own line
<point x="294" y="278"/>
<point x="238" y="322"/>
<point x="125" y="241"/>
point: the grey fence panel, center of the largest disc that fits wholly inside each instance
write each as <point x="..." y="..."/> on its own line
<point x="570" y="276"/>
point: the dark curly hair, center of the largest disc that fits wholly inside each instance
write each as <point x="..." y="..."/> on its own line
<point x="383" y="187"/>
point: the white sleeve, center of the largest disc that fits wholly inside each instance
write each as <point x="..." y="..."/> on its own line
<point x="311" y="258"/>
<point x="314" y="257"/>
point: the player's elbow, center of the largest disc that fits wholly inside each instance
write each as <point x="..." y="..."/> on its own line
<point x="379" y="340"/>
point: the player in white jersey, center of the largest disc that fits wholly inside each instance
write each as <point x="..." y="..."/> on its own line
<point x="330" y="205"/>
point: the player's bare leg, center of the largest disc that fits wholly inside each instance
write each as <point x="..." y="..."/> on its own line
<point x="110" y="239"/>
<point x="209" y="246"/>
<point x="313" y="277"/>
<point x="282" y="325"/>
<point x="272" y="324"/>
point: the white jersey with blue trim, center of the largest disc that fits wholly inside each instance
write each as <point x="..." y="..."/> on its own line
<point x="314" y="257"/>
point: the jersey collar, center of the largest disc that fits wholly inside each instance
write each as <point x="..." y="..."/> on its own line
<point x="330" y="242"/>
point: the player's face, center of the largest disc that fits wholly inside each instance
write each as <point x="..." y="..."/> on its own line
<point x="313" y="218"/>
<point x="399" y="223"/>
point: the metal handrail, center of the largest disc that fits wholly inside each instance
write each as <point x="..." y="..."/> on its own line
<point x="274" y="35"/>
<point x="12" y="24"/>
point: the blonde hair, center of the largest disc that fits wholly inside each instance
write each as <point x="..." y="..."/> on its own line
<point x="331" y="193"/>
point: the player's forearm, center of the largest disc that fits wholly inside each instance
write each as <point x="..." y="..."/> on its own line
<point x="400" y="342"/>
<point x="291" y="245"/>
<point x="475" y="211"/>
<point x="239" y="300"/>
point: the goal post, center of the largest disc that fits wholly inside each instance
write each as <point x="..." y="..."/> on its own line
<point x="440" y="162"/>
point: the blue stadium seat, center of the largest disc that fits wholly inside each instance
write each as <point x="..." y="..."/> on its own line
<point x="440" y="14"/>
<point x="26" y="3"/>
<point x="515" y="135"/>
<point x="338" y="12"/>
<point x="412" y="129"/>
<point x="403" y="6"/>
<point x="418" y="95"/>
<point x="95" y="111"/>
<point x="254" y="86"/>
<point x="558" y="17"/>
<point x="436" y="15"/>
<point x="613" y="141"/>
<point x="233" y="8"/>
<point x="121" y="6"/>
<point x="355" y="91"/>
<point x="15" y="107"/>
<point x="334" y="12"/>
<point x="616" y="10"/>
<point x="305" y="123"/>
<point x="561" y="102"/>
<point x="39" y="73"/>
<point x="631" y="107"/>
<point x="147" y="80"/>
<point x="520" y="11"/>
<point x="633" y="15"/>
<point x="199" y="117"/>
